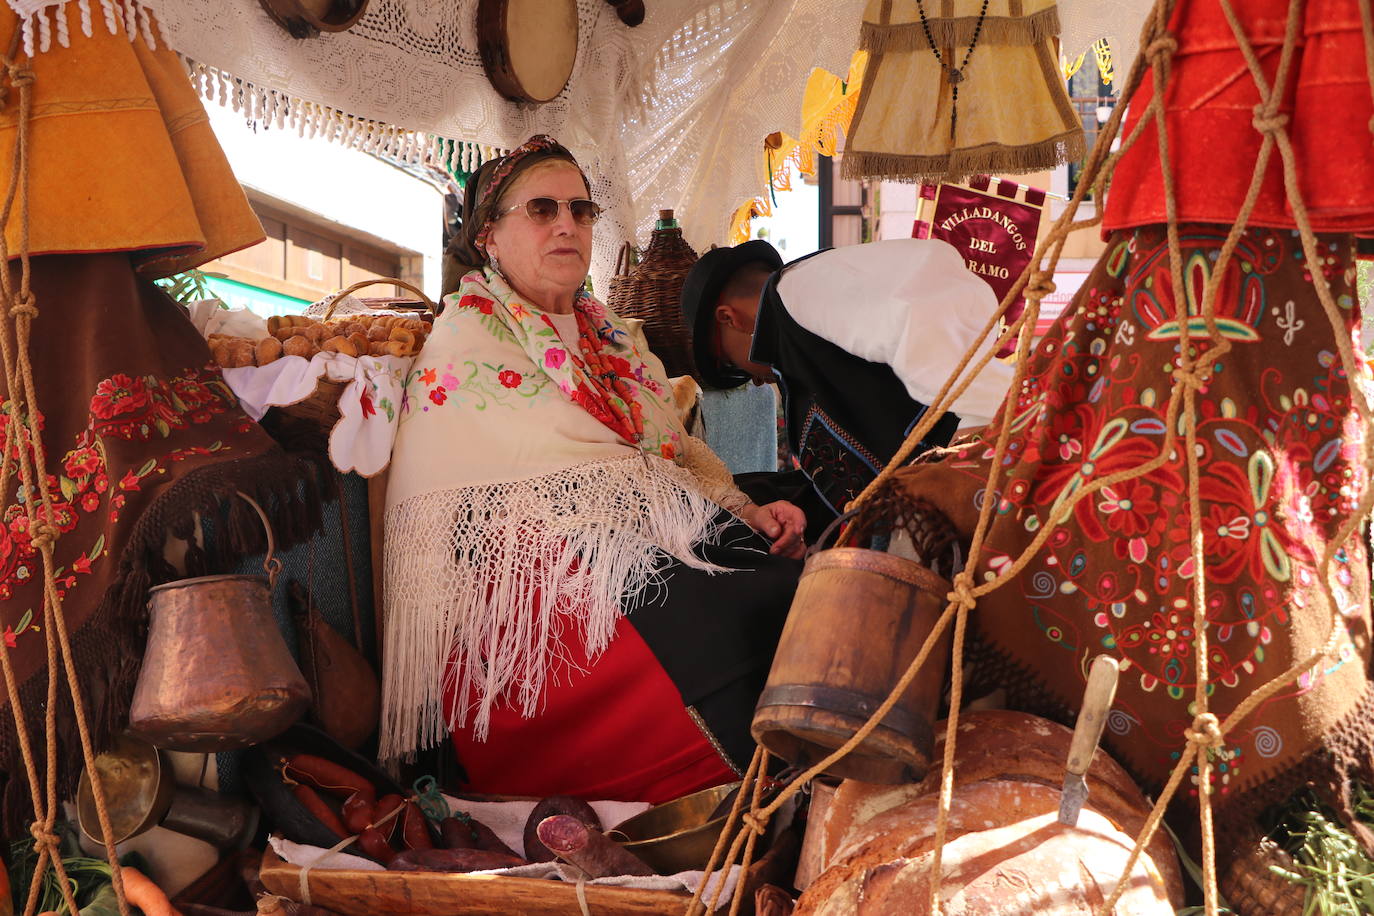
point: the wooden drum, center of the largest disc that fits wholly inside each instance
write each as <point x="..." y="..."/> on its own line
<point x="858" y="619"/>
<point x="528" y="47"/>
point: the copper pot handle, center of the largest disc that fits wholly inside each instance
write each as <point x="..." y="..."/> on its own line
<point x="270" y="564"/>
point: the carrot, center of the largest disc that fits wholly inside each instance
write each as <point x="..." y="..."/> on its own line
<point x="141" y="892"/>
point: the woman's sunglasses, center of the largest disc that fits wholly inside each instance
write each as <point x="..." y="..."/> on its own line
<point x="544" y="210"/>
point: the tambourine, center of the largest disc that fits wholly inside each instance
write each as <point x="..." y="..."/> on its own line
<point x="308" y="18"/>
<point x="528" y="47"/>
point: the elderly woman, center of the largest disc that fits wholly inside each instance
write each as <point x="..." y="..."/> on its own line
<point x="570" y="591"/>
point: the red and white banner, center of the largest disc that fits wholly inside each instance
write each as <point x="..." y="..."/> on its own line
<point x="992" y="222"/>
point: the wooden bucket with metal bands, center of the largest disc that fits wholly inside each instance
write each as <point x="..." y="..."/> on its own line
<point x="858" y="619"/>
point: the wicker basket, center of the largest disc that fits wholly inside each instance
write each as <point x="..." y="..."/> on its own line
<point x="1251" y="887"/>
<point x="651" y="291"/>
<point x="310" y="421"/>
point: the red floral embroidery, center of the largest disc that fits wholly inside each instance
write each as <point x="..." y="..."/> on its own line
<point x="439" y="395"/>
<point x="509" y="378"/>
<point x="118" y="394"/>
<point x="481" y="303"/>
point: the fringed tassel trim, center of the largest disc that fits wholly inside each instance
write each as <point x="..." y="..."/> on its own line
<point x="273" y="108"/>
<point x="483" y="582"/>
<point x="877" y="38"/>
<point x="49" y="21"/>
<point x="988" y="159"/>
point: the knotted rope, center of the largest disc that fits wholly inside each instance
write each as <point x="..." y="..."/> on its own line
<point x="1206" y="734"/>
<point x="23" y="438"/>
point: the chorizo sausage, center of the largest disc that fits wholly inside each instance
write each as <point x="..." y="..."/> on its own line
<point x="452" y="860"/>
<point x="457" y="834"/>
<point x="329" y="776"/>
<point x="588" y="848"/>
<point x="357" y="812"/>
<point x="321" y="812"/>
<point x="385" y="805"/>
<point x="536" y="851"/>
<point x="373" y="844"/>
<point x="415" y="830"/>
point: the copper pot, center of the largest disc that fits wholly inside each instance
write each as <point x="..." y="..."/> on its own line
<point x="217" y="674"/>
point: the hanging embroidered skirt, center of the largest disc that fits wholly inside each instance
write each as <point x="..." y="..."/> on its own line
<point x="665" y="710"/>
<point x="1280" y="448"/>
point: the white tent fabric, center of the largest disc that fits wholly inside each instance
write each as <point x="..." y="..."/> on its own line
<point x="1083" y="22"/>
<point x="668" y="114"/>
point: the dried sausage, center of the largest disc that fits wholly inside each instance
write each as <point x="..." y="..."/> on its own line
<point x="329" y="776"/>
<point x="457" y="834"/>
<point x="385" y="805"/>
<point x="415" y="830"/>
<point x="373" y="844"/>
<point x="357" y="812"/>
<point x="536" y="851"/>
<point x="588" y="848"/>
<point x="452" y="860"/>
<point x="321" y="812"/>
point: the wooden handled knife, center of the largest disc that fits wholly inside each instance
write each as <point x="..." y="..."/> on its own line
<point x="1097" y="703"/>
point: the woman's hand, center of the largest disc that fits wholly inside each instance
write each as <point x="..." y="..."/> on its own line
<point x="781" y="522"/>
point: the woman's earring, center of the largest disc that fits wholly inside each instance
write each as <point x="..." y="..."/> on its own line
<point x="496" y="267"/>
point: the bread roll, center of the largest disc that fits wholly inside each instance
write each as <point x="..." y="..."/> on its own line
<point x="269" y="350"/>
<point x="299" y="345"/>
<point x="404" y="337"/>
<point x="360" y="343"/>
<point x="378" y="331"/>
<point x="339" y="344"/>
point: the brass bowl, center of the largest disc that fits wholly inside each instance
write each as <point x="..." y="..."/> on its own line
<point x="678" y="835"/>
<point x="138" y="788"/>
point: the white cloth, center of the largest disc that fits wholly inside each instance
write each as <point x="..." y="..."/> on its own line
<point x="507" y="818"/>
<point x="369" y="408"/>
<point x="667" y="114"/>
<point x="1083" y="22"/>
<point x="909" y="303"/>
<point x="211" y="317"/>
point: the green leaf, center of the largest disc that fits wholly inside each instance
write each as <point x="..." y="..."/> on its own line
<point x="162" y="427"/>
<point x="24" y="622"/>
<point x="96" y="548"/>
<point x="68" y="487"/>
<point x="147" y="468"/>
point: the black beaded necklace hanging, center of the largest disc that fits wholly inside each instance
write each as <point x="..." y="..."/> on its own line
<point x="956" y="74"/>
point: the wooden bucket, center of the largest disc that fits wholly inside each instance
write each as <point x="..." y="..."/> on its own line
<point x="858" y="619"/>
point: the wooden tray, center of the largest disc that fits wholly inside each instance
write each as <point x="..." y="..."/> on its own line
<point x="365" y="893"/>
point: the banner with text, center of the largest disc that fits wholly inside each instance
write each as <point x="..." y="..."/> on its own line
<point x="992" y="222"/>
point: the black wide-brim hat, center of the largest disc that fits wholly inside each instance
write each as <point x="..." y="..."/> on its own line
<point x="700" y="291"/>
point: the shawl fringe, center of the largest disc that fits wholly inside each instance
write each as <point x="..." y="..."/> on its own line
<point x="48" y="22"/>
<point x="471" y="571"/>
<point x="966" y="162"/>
<point x="108" y="649"/>
<point x="879" y="38"/>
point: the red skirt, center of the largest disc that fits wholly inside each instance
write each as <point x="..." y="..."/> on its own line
<point x="618" y="730"/>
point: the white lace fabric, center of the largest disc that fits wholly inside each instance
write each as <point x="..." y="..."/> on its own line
<point x="668" y="114"/>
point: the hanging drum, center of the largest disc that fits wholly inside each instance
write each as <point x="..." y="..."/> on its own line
<point x="528" y="47"/>
<point x="308" y="18"/>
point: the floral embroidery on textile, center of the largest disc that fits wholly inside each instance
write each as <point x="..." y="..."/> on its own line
<point x="123" y="407"/>
<point x="1277" y="472"/>
<point x="135" y="408"/>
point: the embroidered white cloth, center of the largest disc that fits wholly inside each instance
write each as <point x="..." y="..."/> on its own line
<point x="909" y="303"/>
<point x="369" y="407"/>
<point x="667" y="114"/>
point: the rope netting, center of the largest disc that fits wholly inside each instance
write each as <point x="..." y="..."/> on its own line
<point x="24" y="448"/>
<point x="1207" y="732"/>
